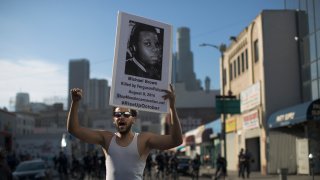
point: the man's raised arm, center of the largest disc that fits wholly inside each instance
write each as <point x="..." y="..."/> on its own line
<point x="73" y="126"/>
<point x="174" y="138"/>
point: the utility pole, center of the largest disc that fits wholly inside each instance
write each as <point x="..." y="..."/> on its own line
<point x="221" y="48"/>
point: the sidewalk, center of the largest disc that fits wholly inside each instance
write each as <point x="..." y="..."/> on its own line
<point x="233" y="175"/>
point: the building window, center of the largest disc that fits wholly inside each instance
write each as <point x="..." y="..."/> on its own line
<point x="256" y="50"/>
<point x="242" y="61"/>
<point x="318" y="44"/>
<point x="306" y="91"/>
<point x="311" y="16"/>
<point x="312" y="47"/>
<point x="230" y="71"/>
<point x="247" y="62"/>
<point x="315" y="92"/>
<point x="317" y="13"/>
<point x="239" y="71"/>
<point x="224" y="75"/>
<point x="235" y="68"/>
<point x="314" y="68"/>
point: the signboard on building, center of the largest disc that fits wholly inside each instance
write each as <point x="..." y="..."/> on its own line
<point x="227" y="106"/>
<point x="251" y="120"/>
<point x="231" y="125"/>
<point x="142" y="64"/>
<point x="251" y="97"/>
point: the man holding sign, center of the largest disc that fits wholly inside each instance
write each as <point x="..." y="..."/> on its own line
<point x="125" y="151"/>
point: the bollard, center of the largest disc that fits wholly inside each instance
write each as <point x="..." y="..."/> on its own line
<point x="283" y="172"/>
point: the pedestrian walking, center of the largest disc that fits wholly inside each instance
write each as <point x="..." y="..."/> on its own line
<point x="221" y="170"/>
<point x="241" y="163"/>
<point x="195" y="163"/>
<point x="247" y="162"/>
<point x="63" y="165"/>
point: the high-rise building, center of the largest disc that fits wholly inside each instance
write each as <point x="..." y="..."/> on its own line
<point x="308" y="39"/>
<point x="183" y="61"/>
<point x="22" y="102"/>
<point x="79" y="72"/>
<point x="98" y="94"/>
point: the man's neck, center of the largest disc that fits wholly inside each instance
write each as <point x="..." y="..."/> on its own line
<point x="126" y="135"/>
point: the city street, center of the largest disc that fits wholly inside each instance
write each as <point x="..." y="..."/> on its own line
<point x="233" y="176"/>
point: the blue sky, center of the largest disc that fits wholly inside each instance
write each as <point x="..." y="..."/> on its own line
<point x="39" y="37"/>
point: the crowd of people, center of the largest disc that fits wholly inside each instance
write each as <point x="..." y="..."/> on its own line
<point x="164" y="165"/>
<point x="159" y="165"/>
<point x="91" y="165"/>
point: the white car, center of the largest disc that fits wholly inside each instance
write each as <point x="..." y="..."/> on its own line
<point x="33" y="169"/>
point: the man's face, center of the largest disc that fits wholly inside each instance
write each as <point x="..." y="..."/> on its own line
<point x="123" y="120"/>
<point x="149" y="49"/>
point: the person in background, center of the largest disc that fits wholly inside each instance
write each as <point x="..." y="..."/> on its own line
<point x="221" y="170"/>
<point x="5" y="172"/>
<point x="241" y="162"/>
<point x="195" y="163"/>
<point x="248" y="160"/>
<point x="125" y="151"/>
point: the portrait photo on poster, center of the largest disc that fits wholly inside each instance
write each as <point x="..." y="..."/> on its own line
<point x="144" y="51"/>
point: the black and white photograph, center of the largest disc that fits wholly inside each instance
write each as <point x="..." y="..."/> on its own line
<point x="144" y="53"/>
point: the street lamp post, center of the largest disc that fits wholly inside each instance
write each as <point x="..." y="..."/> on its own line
<point x="222" y="47"/>
<point x="312" y="165"/>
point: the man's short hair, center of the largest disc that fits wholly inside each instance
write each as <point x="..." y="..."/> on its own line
<point x="133" y="112"/>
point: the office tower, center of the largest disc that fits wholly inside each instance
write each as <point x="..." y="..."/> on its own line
<point x="207" y="84"/>
<point x="22" y="102"/>
<point x="184" y="59"/>
<point x="98" y="94"/>
<point x="79" y="70"/>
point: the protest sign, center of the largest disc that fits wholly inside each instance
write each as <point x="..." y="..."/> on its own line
<point x="142" y="64"/>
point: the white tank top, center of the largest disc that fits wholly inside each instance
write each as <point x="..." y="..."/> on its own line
<point x="124" y="163"/>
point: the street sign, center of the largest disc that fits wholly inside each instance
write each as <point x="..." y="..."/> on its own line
<point x="227" y="106"/>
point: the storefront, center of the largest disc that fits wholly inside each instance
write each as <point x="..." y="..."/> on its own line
<point x="205" y="141"/>
<point x="193" y="140"/>
<point x="210" y="146"/>
<point x="231" y="129"/>
<point x="293" y="134"/>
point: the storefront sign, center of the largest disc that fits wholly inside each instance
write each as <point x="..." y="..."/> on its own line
<point x="231" y="125"/>
<point x="251" y="120"/>
<point x="285" y="117"/>
<point x="250" y="97"/>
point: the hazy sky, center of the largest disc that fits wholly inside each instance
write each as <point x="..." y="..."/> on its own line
<point x="39" y="37"/>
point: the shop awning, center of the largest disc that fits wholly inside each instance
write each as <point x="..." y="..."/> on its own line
<point x="295" y="114"/>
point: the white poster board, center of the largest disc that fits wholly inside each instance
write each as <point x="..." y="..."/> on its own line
<point x="142" y="64"/>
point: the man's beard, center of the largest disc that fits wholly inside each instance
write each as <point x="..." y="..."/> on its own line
<point x="124" y="131"/>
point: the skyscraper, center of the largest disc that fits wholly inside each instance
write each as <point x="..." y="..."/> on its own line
<point x="22" y="102"/>
<point x="98" y="94"/>
<point x="79" y="72"/>
<point x="184" y="61"/>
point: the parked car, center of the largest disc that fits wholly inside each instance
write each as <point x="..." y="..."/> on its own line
<point x="32" y="169"/>
<point x="184" y="165"/>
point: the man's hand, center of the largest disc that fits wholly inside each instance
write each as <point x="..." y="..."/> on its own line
<point x="76" y="94"/>
<point x="171" y="96"/>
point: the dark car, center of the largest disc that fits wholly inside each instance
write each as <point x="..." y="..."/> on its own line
<point x="184" y="165"/>
<point x="33" y="169"/>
